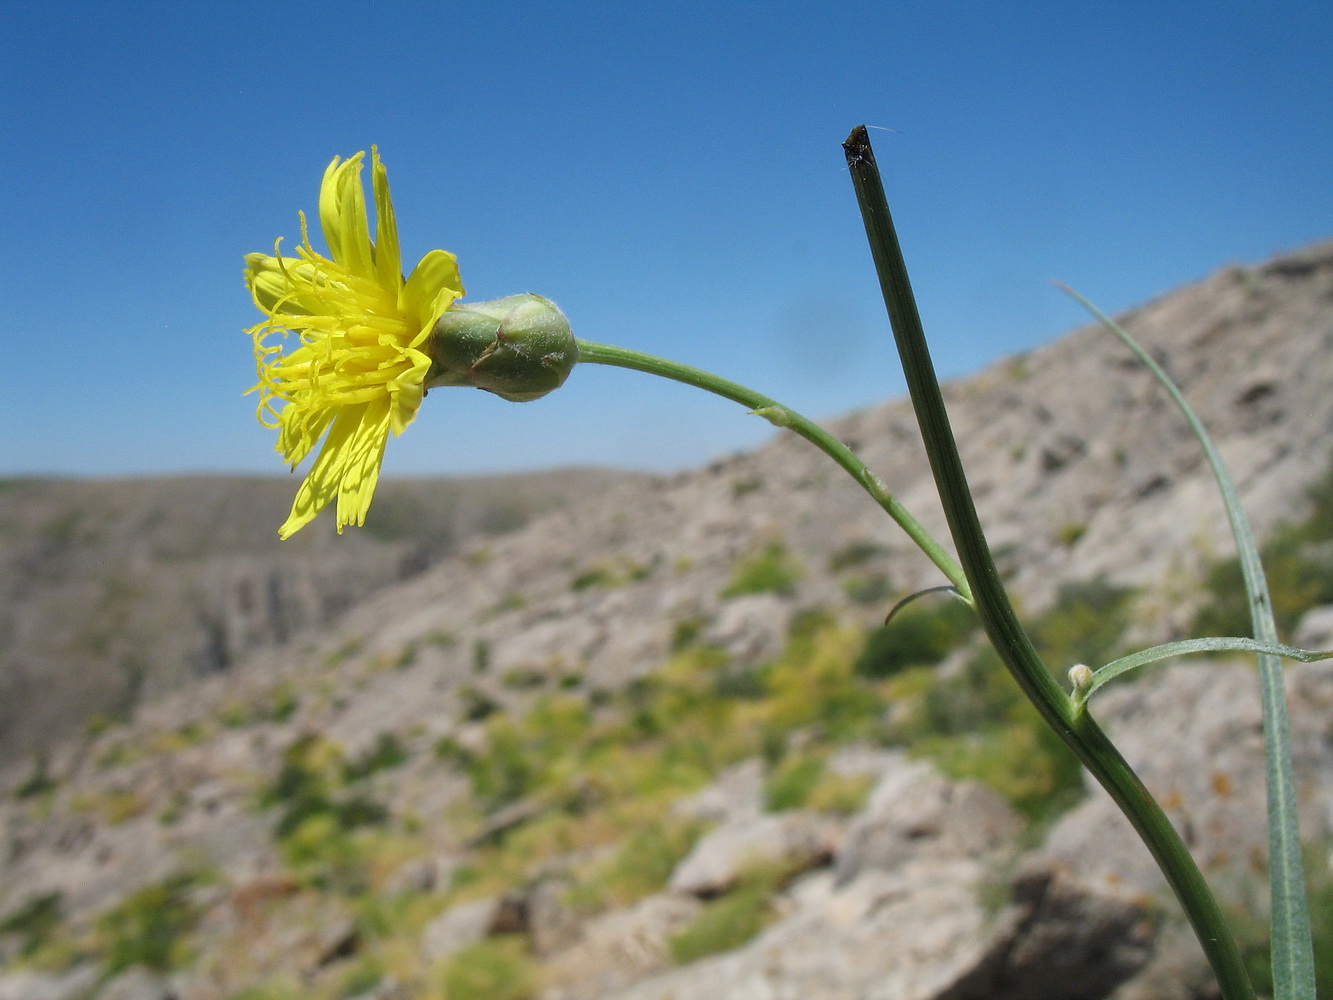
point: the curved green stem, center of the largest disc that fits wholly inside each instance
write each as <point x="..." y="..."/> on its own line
<point x="783" y="416"/>
<point x="1076" y="729"/>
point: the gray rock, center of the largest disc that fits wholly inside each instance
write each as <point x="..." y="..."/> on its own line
<point x="737" y="793"/>
<point x="751" y="627"/>
<point x="1177" y="971"/>
<point x="1060" y="939"/>
<point x="795" y="840"/>
<point x="618" y="948"/>
<point x="914" y="812"/>
<point x="458" y="927"/>
<point x="1315" y="629"/>
<point x="29" y="984"/>
<point x="417" y="875"/>
<point x="902" y="935"/>
<point x="551" y="924"/>
<point x="137" y="983"/>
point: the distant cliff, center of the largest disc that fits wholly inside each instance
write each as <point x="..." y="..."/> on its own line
<point x="113" y="591"/>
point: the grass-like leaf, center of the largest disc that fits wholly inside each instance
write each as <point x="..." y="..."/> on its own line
<point x="1293" y="951"/>
<point x="1213" y="644"/>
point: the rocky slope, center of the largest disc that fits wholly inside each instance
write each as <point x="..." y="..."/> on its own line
<point x="622" y="752"/>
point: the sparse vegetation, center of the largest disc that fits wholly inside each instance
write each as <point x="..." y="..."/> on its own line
<point x="734" y="918"/>
<point x="868" y="588"/>
<point x="792" y="783"/>
<point x="921" y="634"/>
<point x="976" y="723"/>
<point x="387" y="752"/>
<point x="855" y="554"/>
<point x="497" y="968"/>
<point x="150" y="927"/>
<point x="773" y="570"/>
<point x="39" y="782"/>
<point x="34" y="922"/>
<point x="1068" y="534"/>
<point x="639" y="868"/>
<point x="611" y="573"/>
<point x="314" y="806"/>
<point x="724" y="924"/>
<point x="1298" y="561"/>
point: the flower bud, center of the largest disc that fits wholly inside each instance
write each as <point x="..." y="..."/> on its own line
<point x="519" y="347"/>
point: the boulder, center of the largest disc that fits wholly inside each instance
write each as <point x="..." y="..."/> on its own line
<point x="915" y="812"/>
<point x="458" y="927"/>
<point x="795" y="840"/>
<point x="619" y="948"/>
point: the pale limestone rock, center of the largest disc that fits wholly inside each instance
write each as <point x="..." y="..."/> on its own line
<point x="914" y="812"/>
<point x="137" y="983"/>
<point x="1315" y="629"/>
<point x="458" y="927"/>
<point x="28" y="984"/>
<point x="795" y="840"/>
<point x="737" y="793"/>
<point x="751" y="627"/>
<point x="618" y="948"/>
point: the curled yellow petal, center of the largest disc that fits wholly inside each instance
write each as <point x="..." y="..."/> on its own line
<point x="338" y="351"/>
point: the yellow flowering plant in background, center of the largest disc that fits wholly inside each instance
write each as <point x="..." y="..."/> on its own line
<point x="359" y="369"/>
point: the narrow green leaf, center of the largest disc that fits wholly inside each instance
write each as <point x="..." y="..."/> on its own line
<point x="1292" y="948"/>
<point x="1215" y="644"/>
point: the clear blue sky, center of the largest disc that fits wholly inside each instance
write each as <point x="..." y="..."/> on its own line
<point x="671" y="175"/>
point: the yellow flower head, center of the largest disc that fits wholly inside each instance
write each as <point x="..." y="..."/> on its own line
<point x="360" y="367"/>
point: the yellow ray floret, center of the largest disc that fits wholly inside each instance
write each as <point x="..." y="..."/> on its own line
<point x="358" y="370"/>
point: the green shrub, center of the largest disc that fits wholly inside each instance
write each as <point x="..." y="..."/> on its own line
<point x="34" y="922"/>
<point x="1297" y="562"/>
<point x="521" y="756"/>
<point x="309" y="785"/>
<point x="598" y="576"/>
<point x="641" y="866"/>
<point x="916" y="636"/>
<point x="362" y="977"/>
<point x="854" y="554"/>
<point x="1084" y="625"/>
<point x="481" y="656"/>
<point x="1069" y="534"/>
<point x="39" y="782"/>
<point x="1300" y="576"/>
<point x="844" y="794"/>
<point x="791" y="784"/>
<point x="386" y="753"/>
<point x="477" y="704"/>
<point x="873" y="588"/>
<point x="771" y="571"/>
<point x="686" y="632"/>
<point x="149" y="926"/>
<point x="1023" y="761"/>
<point x="496" y="968"/>
<point x="523" y="678"/>
<point x="725" y="923"/>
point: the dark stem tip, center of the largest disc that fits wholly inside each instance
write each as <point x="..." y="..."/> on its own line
<point x="857" y="147"/>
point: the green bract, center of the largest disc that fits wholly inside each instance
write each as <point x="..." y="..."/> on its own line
<point x="519" y="347"/>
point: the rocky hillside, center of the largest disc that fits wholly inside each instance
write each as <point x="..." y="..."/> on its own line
<point x="113" y="591"/>
<point x="651" y="744"/>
